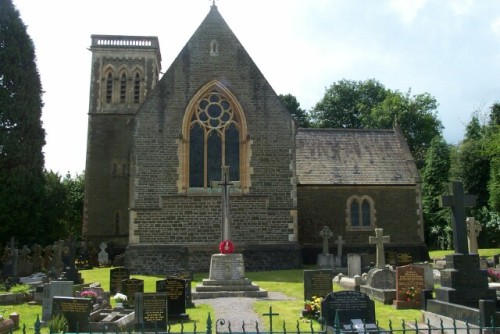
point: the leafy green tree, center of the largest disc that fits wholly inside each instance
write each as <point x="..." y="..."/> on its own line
<point x="417" y="117"/>
<point x="21" y="134"/>
<point x="347" y="103"/>
<point x="435" y="177"/>
<point x="63" y="206"/>
<point x="293" y="107"/>
<point x="473" y="162"/>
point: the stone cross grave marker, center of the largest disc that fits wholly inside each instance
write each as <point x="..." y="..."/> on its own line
<point x="473" y="229"/>
<point x="339" y="242"/>
<point x="326" y="234"/>
<point x="103" y="257"/>
<point x="379" y="240"/>
<point x="458" y="201"/>
<point x="226" y="212"/>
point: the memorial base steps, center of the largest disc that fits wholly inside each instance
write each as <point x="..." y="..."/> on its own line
<point x="227" y="288"/>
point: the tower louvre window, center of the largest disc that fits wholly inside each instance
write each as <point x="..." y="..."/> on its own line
<point x="109" y="88"/>
<point x="123" y="88"/>
<point x="137" y="88"/>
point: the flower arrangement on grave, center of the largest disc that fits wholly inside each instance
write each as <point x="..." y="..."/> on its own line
<point x="312" y="308"/>
<point x="89" y="294"/>
<point x="411" y="294"/>
<point x="120" y="298"/>
<point x="493" y="275"/>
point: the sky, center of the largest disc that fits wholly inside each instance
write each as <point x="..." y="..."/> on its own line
<point x="447" y="48"/>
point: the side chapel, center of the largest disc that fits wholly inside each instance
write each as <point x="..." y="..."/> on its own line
<point x="156" y="144"/>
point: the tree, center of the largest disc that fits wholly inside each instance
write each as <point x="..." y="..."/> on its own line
<point x="293" y="107"/>
<point x="416" y="115"/>
<point x="21" y="134"/>
<point x="347" y="103"/>
<point x="435" y="177"/>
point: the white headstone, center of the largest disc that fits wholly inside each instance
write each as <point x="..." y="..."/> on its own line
<point x="51" y="290"/>
<point x="103" y="257"/>
<point x="353" y="264"/>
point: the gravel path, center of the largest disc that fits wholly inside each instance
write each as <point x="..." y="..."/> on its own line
<point x="238" y="310"/>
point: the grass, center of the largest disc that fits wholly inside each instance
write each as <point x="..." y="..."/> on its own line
<point x="440" y="254"/>
<point x="288" y="282"/>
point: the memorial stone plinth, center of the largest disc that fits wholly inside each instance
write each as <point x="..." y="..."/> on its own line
<point x="227" y="279"/>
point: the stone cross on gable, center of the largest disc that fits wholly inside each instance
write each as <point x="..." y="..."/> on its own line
<point x="226" y="212"/>
<point x="458" y="201"/>
<point x="339" y="243"/>
<point x="326" y="234"/>
<point x="473" y="229"/>
<point x="379" y="240"/>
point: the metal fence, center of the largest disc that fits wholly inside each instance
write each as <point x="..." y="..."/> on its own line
<point x="355" y="327"/>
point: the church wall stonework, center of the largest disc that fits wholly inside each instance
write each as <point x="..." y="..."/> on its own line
<point x="396" y="212"/>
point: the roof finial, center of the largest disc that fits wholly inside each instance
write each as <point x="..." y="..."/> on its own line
<point x="213" y="3"/>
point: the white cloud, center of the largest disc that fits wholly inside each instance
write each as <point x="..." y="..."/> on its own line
<point x="495" y="26"/>
<point x="407" y="10"/>
<point x="461" y="7"/>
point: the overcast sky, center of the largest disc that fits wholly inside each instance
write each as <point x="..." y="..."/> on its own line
<point x="450" y="49"/>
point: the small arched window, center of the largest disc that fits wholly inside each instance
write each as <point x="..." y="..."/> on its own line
<point x="117" y="222"/>
<point x="123" y="88"/>
<point x="360" y="213"/>
<point x="109" y="88"/>
<point x="137" y="88"/>
<point x="214" y="48"/>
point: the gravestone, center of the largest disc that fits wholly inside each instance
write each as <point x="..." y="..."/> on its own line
<point x="176" y="297"/>
<point x="381" y="280"/>
<point x="75" y="310"/>
<point x="347" y="305"/>
<point x="25" y="265"/>
<point x="325" y="260"/>
<point x="103" y="257"/>
<point x="116" y="276"/>
<point x="151" y="311"/>
<point x="379" y="240"/>
<point x="464" y="290"/>
<point x="338" y="259"/>
<point x="51" y="290"/>
<point x="130" y="287"/>
<point x="473" y="229"/>
<point x="317" y="283"/>
<point x="353" y="265"/>
<point x="188" y="277"/>
<point x="409" y="285"/>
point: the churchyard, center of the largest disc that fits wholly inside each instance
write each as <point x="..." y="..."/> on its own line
<point x="292" y="283"/>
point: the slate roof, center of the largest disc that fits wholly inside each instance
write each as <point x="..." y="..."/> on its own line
<point x="354" y="157"/>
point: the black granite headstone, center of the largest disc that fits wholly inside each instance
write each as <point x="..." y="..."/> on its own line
<point x="317" y="283"/>
<point x="116" y="276"/>
<point x="176" y="296"/>
<point x="188" y="276"/>
<point x="347" y="305"/>
<point x="75" y="310"/>
<point x="130" y="287"/>
<point x="151" y="311"/>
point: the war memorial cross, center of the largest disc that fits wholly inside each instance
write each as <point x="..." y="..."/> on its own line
<point x="226" y="212"/>
<point x="379" y="240"/>
<point x="326" y="234"/>
<point x="458" y="201"/>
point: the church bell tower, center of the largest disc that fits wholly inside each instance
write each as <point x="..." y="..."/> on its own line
<point x="124" y="70"/>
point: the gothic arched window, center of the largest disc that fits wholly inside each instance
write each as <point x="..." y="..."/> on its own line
<point x="123" y="88"/>
<point x="214" y="141"/>
<point x="137" y="88"/>
<point x="214" y="133"/>
<point x="109" y="88"/>
<point x="360" y="213"/>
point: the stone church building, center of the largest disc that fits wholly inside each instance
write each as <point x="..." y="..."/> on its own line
<point x="156" y="144"/>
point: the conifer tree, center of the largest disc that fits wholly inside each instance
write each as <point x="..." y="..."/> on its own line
<point x="22" y="136"/>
